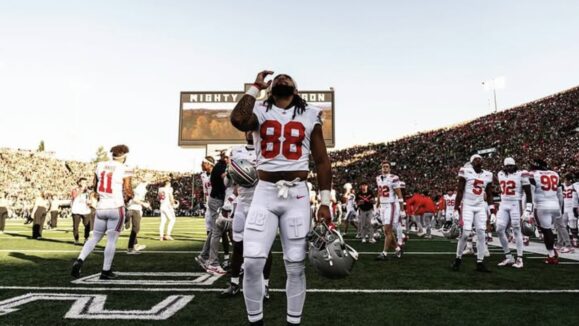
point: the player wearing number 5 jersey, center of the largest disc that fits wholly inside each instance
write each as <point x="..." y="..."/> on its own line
<point x="285" y="131"/>
<point x="513" y="182"/>
<point x="113" y="185"/>
<point x="548" y="208"/>
<point x="474" y="187"/>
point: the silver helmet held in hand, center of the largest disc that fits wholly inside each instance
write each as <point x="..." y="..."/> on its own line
<point x="242" y="172"/>
<point x="451" y="233"/>
<point x="330" y="256"/>
<point x="528" y="228"/>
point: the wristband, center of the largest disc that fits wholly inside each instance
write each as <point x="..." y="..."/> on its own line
<point x="252" y="91"/>
<point x="325" y="197"/>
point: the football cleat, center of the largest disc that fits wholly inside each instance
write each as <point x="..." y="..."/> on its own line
<point x="567" y="250"/>
<point x="132" y="251"/>
<point x="76" y="267"/>
<point x="518" y="263"/>
<point x="506" y="262"/>
<point x="108" y="275"/>
<point x="139" y="247"/>
<point x="363" y="240"/>
<point x="480" y="267"/>
<point x="372" y="240"/>
<point x="231" y="291"/>
<point x="552" y="260"/>
<point x="399" y="251"/>
<point x="216" y="270"/>
<point x="382" y="256"/>
<point x="456" y="264"/>
<point x="169" y="238"/>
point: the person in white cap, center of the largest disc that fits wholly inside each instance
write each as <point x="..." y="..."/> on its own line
<point x="474" y="186"/>
<point x="513" y="182"/>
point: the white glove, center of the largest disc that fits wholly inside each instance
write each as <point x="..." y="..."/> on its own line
<point x="456" y="215"/>
<point x="493" y="218"/>
<point x="402" y="213"/>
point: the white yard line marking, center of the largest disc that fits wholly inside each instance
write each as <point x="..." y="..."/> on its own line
<point x="197" y="278"/>
<point x="358" y="291"/>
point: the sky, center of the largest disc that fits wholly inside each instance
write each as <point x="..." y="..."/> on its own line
<point x="84" y="74"/>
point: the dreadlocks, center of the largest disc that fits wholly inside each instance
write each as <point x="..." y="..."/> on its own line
<point x="298" y="103"/>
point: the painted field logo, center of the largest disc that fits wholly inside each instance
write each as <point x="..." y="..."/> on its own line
<point x="91" y="306"/>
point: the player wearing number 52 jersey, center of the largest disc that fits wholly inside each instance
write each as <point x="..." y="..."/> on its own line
<point x="474" y="187"/>
<point x="285" y="131"/>
<point x="571" y="206"/>
<point x="113" y="185"/>
<point x="513" y="183"/>
<point x="548" y="209"/>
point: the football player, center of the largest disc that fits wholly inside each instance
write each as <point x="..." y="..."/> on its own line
<point x="349" y="198"/>
<point x="390" y="212"/>
<point x="286" y="130"/>
<point x="244" y="198"/>
<point x="206" y="167"/>
<point x="570" y="210"/>
<point x="135" y="214"/>
<point x="168" y="205"/>
<point x="513" y="182"/>
<point x="474" y="186"/>
<point x="112" y="182"/>
<point x="547" y="208"/>
<point x="448" y="208"/>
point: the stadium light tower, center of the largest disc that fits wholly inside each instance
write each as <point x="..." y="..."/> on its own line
<point x="494" y="84"/>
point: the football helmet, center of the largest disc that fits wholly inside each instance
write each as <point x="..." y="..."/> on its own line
<point x="242" y="172"/>
<point x="330" y="256"/>
<point x="451" y="233"/>
<point x="528" y="228"/>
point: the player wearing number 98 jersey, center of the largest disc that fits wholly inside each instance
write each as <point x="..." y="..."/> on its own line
<point x="113" y="185"/>
<point x="285" y="131"/>
<point x="474" y="187"/>
<point x="546" y="195"/>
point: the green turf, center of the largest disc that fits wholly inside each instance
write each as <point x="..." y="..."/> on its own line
<point x="26" y="262"/>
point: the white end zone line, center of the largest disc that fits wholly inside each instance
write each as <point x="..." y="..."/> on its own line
<point x="351" y="291"/>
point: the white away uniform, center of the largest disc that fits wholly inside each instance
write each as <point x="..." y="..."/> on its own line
<point x="474" y="206"/>
<point x="570" y="199"/>
<point x="167" y="210"/>
<point x="282" y="144"/>
<point x="546" y="198"/>
<point x="449" y="202"/>
<point x="389" y="208"/>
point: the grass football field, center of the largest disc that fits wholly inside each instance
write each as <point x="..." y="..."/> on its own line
<point x="165" y="282"/>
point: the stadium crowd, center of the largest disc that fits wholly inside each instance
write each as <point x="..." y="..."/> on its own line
<point x="547" y="128"/>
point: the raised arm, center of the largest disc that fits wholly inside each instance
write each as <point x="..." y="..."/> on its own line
<point x="242" y="116"/>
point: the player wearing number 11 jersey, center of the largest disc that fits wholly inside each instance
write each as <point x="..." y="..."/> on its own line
<point x="113" y="185"/>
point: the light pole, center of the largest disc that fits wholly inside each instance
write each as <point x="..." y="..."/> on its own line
<point x="494" y="84"/>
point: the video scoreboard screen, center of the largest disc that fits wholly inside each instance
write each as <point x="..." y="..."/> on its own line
<point x="204" y="116"/>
